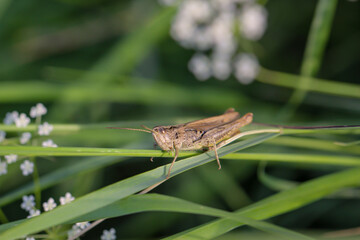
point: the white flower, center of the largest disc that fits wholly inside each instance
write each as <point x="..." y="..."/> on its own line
<point x="200" y="66"/>
<point x="82" y="225"/>
<point x="29" y="238"/>
<point x="183" y="30"/>
<point x="27" y="167"/>
<point x="199" y="10"/>
<point x="74" y="231"/>
<point x="3" y="168"/>
<point x="11" y="158"/>
<point x="45" y="129"/>
<point x="253" y="21"/>
<point x="190" y="26"/>
<point x="2" y="135"/>
<point x="38" y="110"/>
<point x="108" y="234"/>
<point x="49" y="205"/>
<point x="10" y="117"/>
<point x="22" y="120"/>
<point x="28" y="202"/>
<point x="246" y="68"/>
<point x="67" y="199"/>
<point x="33" y="213"/>
<point x="25" y="137"/>
<point x="49" y="143"/>
<point x="221" y="66"/>
<point x="222" y="34"/>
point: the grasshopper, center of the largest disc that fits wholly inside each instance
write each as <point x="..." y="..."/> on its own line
<point x="208" y="133"/>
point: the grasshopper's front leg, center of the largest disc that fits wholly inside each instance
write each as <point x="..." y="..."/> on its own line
<point x="216" y="154"/>
<point x="172" y="164"/>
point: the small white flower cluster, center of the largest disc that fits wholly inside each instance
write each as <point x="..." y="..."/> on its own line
<point x="77" y="228"/>
<point x="28" y="204"/>
<point x="108" y="234"/>
<point x="27" y="167"/>
<point x="38" y="110"/>
<point x="210" y="25"/>
<point x="21" y="121"/>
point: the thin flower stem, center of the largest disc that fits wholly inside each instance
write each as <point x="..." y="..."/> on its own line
<point x="92" y="225"/>
<point x="37" y="185"/>
<point x="3" y="217"/>
<point x="36" y="178"/>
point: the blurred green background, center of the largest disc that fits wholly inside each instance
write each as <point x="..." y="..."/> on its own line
<point x="114" y="63"/>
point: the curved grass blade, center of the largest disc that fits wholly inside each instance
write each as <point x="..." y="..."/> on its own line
<point x="279" y="184"/>
<point x="273" y="182"/>
<point x="277" y="204"/>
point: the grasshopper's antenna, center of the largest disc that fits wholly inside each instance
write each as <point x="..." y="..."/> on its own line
<point x="147" y="128"/>
<point x="133" y="129"/>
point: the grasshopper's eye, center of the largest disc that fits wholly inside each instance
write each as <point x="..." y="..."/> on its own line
<point x="161" y="130"/>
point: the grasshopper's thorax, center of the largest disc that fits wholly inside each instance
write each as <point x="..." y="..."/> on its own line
<point x="165" y="137"/>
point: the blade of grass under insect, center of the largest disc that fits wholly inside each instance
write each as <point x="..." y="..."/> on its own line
<point x="119" y="190"/>
<point x="340" y="160"/>
<point x="279" y="203"/>
<point x="315" y="46"/>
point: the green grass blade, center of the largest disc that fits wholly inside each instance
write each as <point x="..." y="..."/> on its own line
<point x="316" y="144"/>
<point x="274" y="183"/>
<point x="315" y="46"/>
<point x="277" y="204"/>
<point x="340" y="160"/>
<point x="171" y="94"/>
<point x="122" y="189"/>
<point x="315" y="84"/>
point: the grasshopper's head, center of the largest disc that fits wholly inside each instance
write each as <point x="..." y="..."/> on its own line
<point x="163" y="138"/>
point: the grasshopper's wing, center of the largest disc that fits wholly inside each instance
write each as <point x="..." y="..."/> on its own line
<point x="225" y="131"/>
<point x="211" y="122"/>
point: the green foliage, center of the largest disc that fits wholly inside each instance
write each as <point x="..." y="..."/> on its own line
<point x="105" y="64"/>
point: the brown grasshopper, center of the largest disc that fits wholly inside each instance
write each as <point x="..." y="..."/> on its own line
<point x="208" y="133"/>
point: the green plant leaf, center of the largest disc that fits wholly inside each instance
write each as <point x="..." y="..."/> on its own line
<point x="315" y="46"/>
